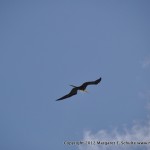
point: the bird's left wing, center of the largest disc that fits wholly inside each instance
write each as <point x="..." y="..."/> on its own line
<point x="84" y="85"/>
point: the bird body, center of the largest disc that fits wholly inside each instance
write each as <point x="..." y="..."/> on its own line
<point x="81" y="88"/>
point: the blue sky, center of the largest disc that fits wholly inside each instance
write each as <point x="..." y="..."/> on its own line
<point x="48" y="45"/>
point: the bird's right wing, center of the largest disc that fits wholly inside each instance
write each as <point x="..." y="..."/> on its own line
<point x="64" y="97"/>
<point x="73" y="92"/>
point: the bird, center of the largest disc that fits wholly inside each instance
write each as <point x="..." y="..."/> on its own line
<point x="81" y="88"/>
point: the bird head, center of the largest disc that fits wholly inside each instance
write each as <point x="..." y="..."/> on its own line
<point x="85" y="91"/>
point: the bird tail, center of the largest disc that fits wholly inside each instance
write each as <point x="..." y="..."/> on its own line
<point x="72" y="85"/>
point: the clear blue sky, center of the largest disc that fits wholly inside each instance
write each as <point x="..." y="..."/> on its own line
<point x="47" y="45"/>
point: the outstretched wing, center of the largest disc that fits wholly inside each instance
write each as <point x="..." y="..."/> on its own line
<point x="84" y="85"/>
<point x="72" y="92"/>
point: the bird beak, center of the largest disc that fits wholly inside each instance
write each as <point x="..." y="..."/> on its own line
<point x="86" y="91"/>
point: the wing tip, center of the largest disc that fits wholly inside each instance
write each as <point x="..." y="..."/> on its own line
<point x="58" y="99"/>
<point x="99" y="80"/>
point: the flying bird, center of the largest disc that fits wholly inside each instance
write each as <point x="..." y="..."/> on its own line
<point x="81" y="88"/>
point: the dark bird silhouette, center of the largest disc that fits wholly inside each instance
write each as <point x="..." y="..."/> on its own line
<point x="81" y="88"/>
